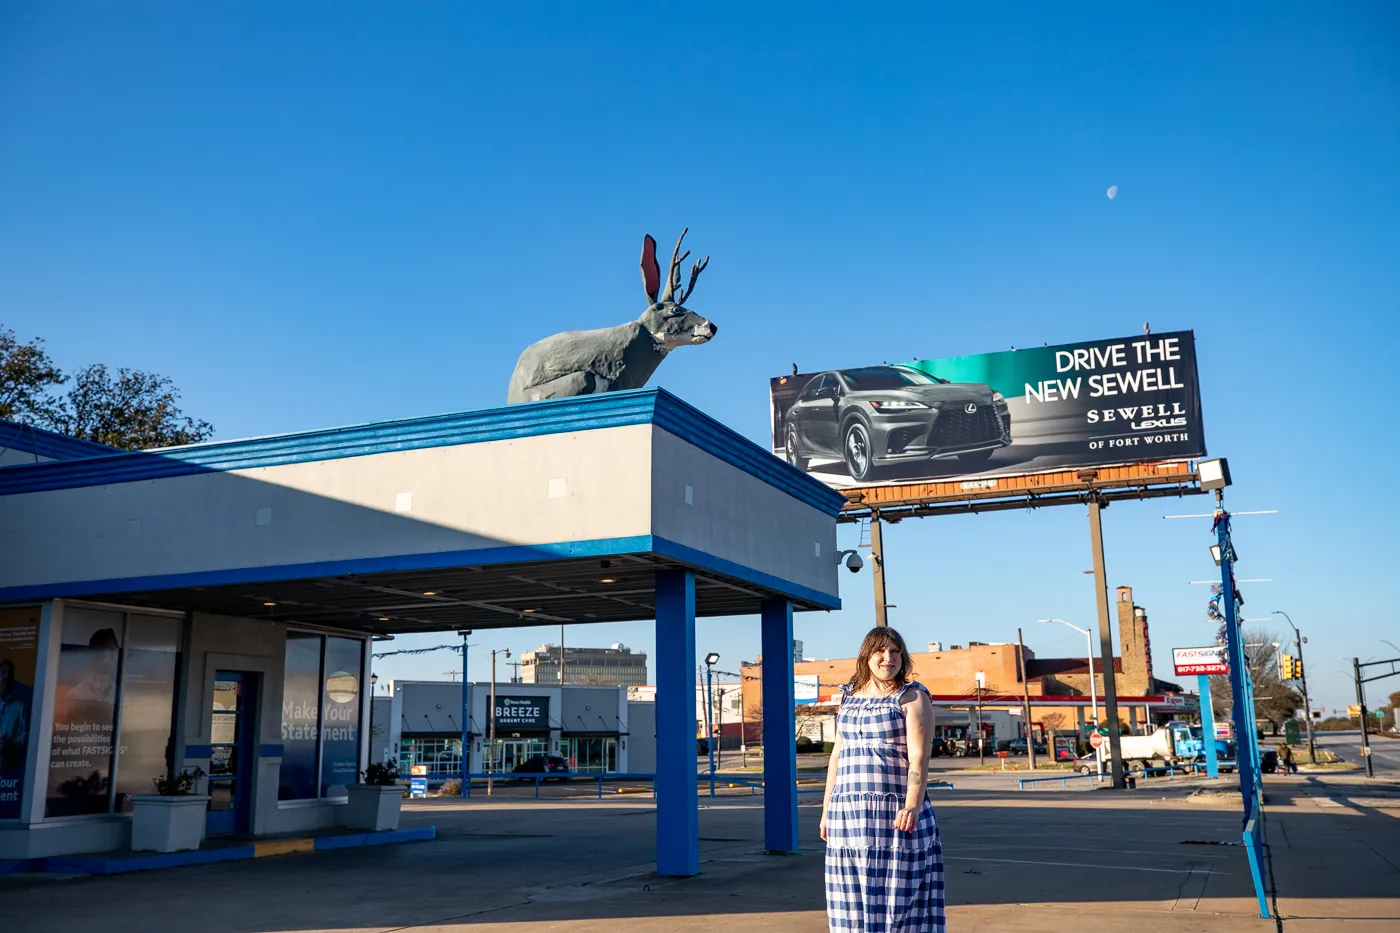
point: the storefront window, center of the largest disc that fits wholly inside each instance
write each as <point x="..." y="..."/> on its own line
<point x="320" y="716"/>
<point x="301" y="717"/>
<point x="148" y="685"/>
<point x="116" y="676"/>
<point x="441" y="757"/>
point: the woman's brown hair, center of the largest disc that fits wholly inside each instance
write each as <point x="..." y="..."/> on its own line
<point x="877" y="638"/>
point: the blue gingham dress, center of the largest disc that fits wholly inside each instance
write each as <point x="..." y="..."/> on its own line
<point x="878" y="879"/>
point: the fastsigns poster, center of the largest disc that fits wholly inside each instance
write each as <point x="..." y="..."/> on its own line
<point x="1103" y="402"/>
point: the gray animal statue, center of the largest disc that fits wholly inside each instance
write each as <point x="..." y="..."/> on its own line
<point x="583" y="362"/>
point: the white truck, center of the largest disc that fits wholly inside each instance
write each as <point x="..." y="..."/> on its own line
<point x="1175" y="743"/>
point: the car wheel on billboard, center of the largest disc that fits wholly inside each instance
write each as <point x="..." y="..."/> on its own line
<point x="793" y="457"/>
<point x="860" y="461"/>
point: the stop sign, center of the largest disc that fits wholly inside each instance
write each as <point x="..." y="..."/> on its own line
<point x="1095" y="740"/>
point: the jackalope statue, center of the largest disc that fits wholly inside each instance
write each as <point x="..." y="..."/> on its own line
<point x="582" y="362"/>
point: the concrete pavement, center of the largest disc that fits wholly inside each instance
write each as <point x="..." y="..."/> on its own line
<point x="1045" y="861"/>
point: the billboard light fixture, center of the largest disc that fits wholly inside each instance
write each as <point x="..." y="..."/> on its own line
<point x="1214" y="474"/>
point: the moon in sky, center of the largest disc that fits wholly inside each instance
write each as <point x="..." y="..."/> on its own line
<point x="1112" y="192"/>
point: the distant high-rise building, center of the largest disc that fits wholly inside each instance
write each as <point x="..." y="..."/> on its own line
<point x="617" y="666"/>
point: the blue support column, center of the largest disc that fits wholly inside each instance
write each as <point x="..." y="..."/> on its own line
<point x="677" y="801"/>
<point x="1207" y="725"/>
<point x="779" y="730"/>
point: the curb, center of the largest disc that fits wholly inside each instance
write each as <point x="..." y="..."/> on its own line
<point x="78" y="865"/>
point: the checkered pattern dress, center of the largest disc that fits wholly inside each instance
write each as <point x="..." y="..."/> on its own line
<point x="878" y="879"/>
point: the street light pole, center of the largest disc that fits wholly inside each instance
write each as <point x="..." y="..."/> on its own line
<point x="711" y="660"/>
<point x="1026" y="686"/>
<point x="466" y="714"/>
<point x="491" y="742"/>
<point x="981" y="744"/>
<point x="1307" y="704"/>
<point x="1093" y="691"/>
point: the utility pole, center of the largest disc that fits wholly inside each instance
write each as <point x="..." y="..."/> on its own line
<point x="877" y="567"/>
<point x="561" y="656"/>
<point x="1361" y="702"/>
<point x="1110" y="686"/>
<point x="1026" y="685"/>
<point x="1298" y="640"/>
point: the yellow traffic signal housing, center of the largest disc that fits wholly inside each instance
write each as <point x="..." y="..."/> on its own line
<point x="1286" y="671"/>
<point x="1354" y="711"/>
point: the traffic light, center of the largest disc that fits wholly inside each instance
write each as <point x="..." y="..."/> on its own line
<point x="1298" y="668"/>
<point x="1354" y="711"/>
<point x="1286" y="668"/>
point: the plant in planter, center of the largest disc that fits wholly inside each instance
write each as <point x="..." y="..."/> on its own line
<point x="374" y="805"/>
<point x="171" y="819"/>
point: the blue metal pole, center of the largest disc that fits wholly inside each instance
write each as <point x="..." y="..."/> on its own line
<point x="677" y="799"/>
<point x="466" y="715"/>
<point x="779" y="729"/>
<point x="1207" y="725"/>
<point x="1241" y="702"/>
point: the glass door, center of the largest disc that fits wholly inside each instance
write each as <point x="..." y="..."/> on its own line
<point x="233" y="718"/>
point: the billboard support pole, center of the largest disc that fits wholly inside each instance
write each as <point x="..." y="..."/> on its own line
<point x="877" y="568"/>
<point x="1110" y="686"/>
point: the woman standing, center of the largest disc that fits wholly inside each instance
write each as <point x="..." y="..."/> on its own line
<point x="884" y="863"/>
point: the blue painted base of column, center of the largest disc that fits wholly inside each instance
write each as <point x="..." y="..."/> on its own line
<point x="779" y="730"/>
<point x="1207" y="725"/>
<point x="677" y="800"/>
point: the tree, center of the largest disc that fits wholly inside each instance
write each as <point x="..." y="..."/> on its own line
<point x="1274" y="700"/>
<point x="26" y="377"/>
<point x="134" y="411"/>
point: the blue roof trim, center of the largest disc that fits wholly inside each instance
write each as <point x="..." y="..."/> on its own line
<point x="509" y="554"/>
<point x="665" y="547"/>
<point x="585" y="413"/>
<point x="696" y="427"/>
<point x="32" y="440"/>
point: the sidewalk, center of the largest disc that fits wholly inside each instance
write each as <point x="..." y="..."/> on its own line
<point x="1334" y="842"/>
<point x="1047" y="861"/>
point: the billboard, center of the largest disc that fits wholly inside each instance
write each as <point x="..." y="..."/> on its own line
<point x="805" y="688"/>
<point x="1104" y="402"/>
<point x="1188" y="661"/>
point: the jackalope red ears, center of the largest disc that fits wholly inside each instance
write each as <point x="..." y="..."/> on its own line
<point x="651" y="272"/>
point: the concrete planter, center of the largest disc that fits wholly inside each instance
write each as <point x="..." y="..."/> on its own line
<point x="167" y="824"/>
<point x="373" y="807"/>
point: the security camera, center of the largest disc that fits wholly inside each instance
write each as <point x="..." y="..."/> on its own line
<point x="853" y="560"/>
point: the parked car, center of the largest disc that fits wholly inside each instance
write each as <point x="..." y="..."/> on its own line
<point x="877" y="416"/>
<point x="940" y="747"/>
<point x="1268" y="760"/>
<point x="1018" y="747"/>
<point x="1087" y="764"/>
<point x="543" y="764"/>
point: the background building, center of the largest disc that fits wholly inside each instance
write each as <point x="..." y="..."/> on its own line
<point x="1058" y="687"/>
<point x="618" y="666"/>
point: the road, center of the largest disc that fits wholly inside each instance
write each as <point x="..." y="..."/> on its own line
<point x="1385" y="752"/>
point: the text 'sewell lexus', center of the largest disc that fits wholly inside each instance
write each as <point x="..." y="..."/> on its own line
<point x="882" y="415"/>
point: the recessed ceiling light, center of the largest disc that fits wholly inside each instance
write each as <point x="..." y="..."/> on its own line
<point x="527" y="610"/>
<point x="607" y="580"/>
<point x="430" y="592"/>
<point x="269" y="604"/>
<point x="383" y="618"/>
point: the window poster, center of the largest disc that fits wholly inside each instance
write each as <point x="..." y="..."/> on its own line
<point x="80" y="764"/>
<point x="19" y="648"/>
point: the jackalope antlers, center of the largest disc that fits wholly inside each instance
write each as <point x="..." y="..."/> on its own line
<point x="673" y="281"/>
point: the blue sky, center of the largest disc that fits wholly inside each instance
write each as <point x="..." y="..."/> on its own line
<point x="350" y="212"/>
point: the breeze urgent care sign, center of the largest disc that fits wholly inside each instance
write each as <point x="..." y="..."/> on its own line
<point x="1188" y="661"/>
<point x="522" y="712"/>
